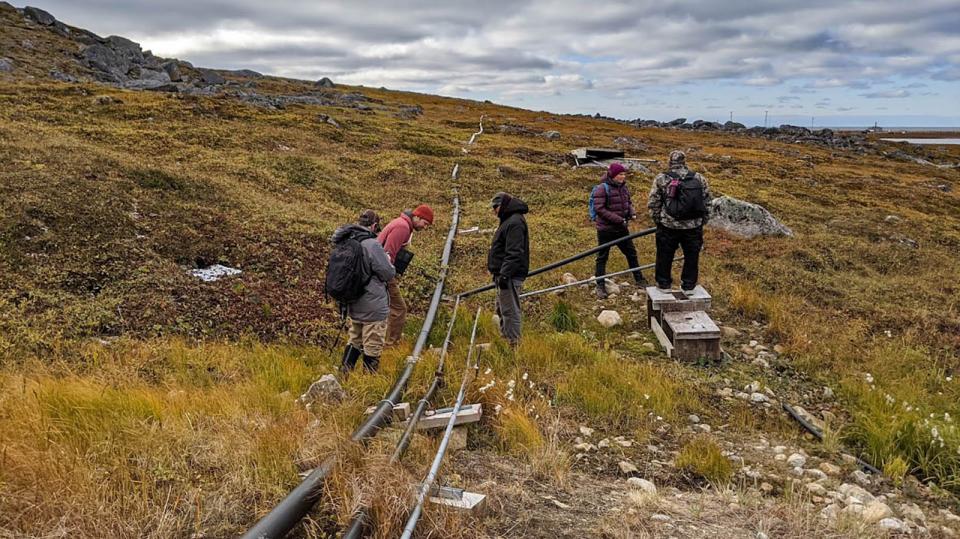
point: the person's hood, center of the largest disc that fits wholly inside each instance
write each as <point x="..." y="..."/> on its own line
<point x="341" y="233"/>
<point x="512" y="206"/>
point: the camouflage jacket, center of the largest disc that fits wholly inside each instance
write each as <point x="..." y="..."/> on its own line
<point x="658" y="194"/>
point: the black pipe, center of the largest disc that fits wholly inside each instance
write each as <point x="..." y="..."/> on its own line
<point x="360" y="524"/>
<point x="566" y="261"/>
<point x="289" y="511"/>
<point x="819" y="435"/>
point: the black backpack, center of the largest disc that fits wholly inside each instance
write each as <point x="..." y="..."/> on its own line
<point x="684" y="197"/>
<point x="348" y="271"/>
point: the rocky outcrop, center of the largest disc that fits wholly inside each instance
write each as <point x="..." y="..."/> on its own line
<point x="39" y="16"/>
<point x="325" y="82"/>
<point x="744" y="219"/>
<point x="6" y="65"/>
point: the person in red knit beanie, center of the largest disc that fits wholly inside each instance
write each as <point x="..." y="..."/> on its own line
<point x="395" y="238"/>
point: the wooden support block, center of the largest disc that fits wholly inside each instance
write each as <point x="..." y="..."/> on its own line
<point x="401" y="412"/>
<point x="437" y="419"/>
<point x="470" y="502"/>
<point x="661" y="337"/>
<point x="693" y="334"/>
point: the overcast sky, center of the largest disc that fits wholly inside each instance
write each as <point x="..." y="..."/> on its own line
<point x="821" y="61"/>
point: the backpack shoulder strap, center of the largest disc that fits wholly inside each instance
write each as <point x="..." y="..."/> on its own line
<point x="691" y="175"/>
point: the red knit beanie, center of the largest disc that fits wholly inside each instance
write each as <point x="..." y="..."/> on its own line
<point x="424" y="212"/>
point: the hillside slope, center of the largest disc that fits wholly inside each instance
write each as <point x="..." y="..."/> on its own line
<point x="137" y="400"/>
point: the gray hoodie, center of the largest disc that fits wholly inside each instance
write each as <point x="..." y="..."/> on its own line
<point x="374" y="304"/>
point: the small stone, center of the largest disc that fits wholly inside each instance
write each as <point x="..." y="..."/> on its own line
<point x="609" y="319"/>
<point x="780" y="457"/>
<point x="892" y="524"/>
<point x="758" y="397"/>
<point x="694" y="418"/>
<point x="6" y="65"/>
<point x="827" y="393"/>
<point x="551" y="135"/>
<point x="830" y="512"/>
<point x="660" y="517"/>
<point x="816" y="474"/>
<point x="829" y="469"/>
<point x="627" y="468"/>
<point x="742" y="396"/>
<point x="848" y="459"/>
<point x="585" y="447"/>
<point x="875" y="511"/>
<point x="729" y="332"/>
<point x="624" y="443"/>
<point x="753" y="387"/>
<point x="604" y="443"/>
<point x="725" y="392"/>
<point x="560" y="504"/>
<point x="779" y="348"/>
<point x="327" y="389"/>
<point x="496" y="320"/>
<point x="649" y="346"/>
<point x="767" y="488"/>
<point x="760" y="362"/>
<point x="816" y="488"/>
<point x="703" y="427"/>
<point x="586" y="431"/>
<point x="780" y="449"/>
<point x="853" y="491"/>
<point x="949" y="516"/>
<point x="913" y="512"/>
<point x="612" y="287"/>
<point x="568" y="278"/>
<point x="860" y="477"/>
<point x="642" y="484"/>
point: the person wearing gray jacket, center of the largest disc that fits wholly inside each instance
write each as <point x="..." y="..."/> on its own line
<point x="368" y="314"/>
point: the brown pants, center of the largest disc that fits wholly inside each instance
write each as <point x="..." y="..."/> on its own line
<point x="368" y="336"/>
<point x="398" y="313"/>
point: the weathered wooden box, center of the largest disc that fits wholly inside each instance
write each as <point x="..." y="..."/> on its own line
<point x="693" y="334"/>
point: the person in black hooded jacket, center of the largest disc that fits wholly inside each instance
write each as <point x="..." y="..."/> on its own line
<point x="509" y="261"/>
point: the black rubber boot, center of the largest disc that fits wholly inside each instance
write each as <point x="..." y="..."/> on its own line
<point x="349" y="361"/>
<point x="371" y="363"/>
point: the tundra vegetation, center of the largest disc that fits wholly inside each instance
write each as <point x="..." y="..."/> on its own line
<point x="136" y="400"/>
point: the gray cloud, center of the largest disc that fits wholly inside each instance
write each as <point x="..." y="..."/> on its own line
<point x="538" y="47"/>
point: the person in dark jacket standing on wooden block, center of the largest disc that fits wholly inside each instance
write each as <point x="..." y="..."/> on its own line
<point x="509" y="261"/>
<point x="679" y="204"/>
<point x="613" y="210"/>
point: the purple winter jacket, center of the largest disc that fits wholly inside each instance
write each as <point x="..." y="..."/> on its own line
<point x="614" y="209"/>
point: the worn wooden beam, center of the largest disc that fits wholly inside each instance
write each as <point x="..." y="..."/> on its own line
<point x="401" y="412"/>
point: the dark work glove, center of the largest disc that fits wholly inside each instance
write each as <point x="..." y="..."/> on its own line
<point x="503" y="282"/>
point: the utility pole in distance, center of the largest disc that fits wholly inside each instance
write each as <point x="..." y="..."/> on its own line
<point x="765" y="118"/>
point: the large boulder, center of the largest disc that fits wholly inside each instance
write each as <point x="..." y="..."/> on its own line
<point x="107" y="62"/>
<point x="744" y="219"/>
<point x="609" y="319"/>
<point x="733" y="126"/>
<point x="149" y="79"/>
<point x="126" y="49"/>
<point x="676" y="123"/>
<point x="325" y="82"/>
<point x="39" y="16"/>
<point x="209" y="76"/>
<point x="172" y="68"/>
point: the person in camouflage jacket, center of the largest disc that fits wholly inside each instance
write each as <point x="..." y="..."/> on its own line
<point x="673" y="233"/>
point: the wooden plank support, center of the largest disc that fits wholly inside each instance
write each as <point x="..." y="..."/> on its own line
<point x="661" y="337"/>
<point x="437" y="419"/>
<point x="401" y="412"/>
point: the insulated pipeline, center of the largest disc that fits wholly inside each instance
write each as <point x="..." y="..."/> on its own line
<point x="819" y="435"/>
<point x="279" y="521"/>
<point x="435" y="467"/>
<point x="591" y="280"/>
<point x="565" y="261"/>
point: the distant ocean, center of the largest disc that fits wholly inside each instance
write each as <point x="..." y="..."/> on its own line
<point x="898" y="129"/>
